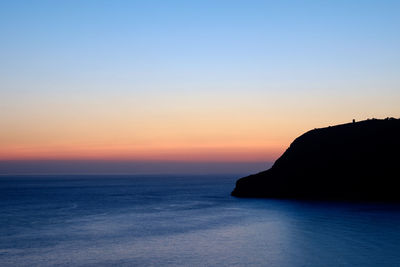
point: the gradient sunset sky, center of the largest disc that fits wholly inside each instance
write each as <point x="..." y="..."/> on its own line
<point x="189" y="81"/>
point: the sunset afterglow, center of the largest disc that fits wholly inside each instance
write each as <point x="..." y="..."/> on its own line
<point x="183" y="81"/>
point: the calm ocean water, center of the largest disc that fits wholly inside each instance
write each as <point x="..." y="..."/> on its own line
<point x="183" y="221"/>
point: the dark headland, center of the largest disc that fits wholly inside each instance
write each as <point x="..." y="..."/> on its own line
<point x="353" y="161"/>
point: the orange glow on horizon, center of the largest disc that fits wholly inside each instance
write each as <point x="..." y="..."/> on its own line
<point x="189" y="154"/>
<point x="173" y="127"/>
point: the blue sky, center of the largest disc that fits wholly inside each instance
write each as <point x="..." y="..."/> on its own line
<point x="148" y="43"/>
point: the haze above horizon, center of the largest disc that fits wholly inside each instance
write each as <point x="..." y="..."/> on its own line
<point x="189" y="81"/>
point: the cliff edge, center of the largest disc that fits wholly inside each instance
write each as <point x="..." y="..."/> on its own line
<point x="354" y="161"/>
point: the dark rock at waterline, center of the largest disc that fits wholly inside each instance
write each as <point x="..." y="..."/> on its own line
<point x="354" y="161"/>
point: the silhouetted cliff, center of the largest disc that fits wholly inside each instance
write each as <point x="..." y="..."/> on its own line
<point x="357" y="161"/>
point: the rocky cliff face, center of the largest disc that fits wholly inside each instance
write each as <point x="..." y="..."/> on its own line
<point x="351" y="161"/>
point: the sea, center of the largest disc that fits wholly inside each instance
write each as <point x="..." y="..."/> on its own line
<point x="183" y="220"/>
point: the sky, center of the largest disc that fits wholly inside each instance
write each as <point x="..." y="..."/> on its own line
<point x="188" y="81"/>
